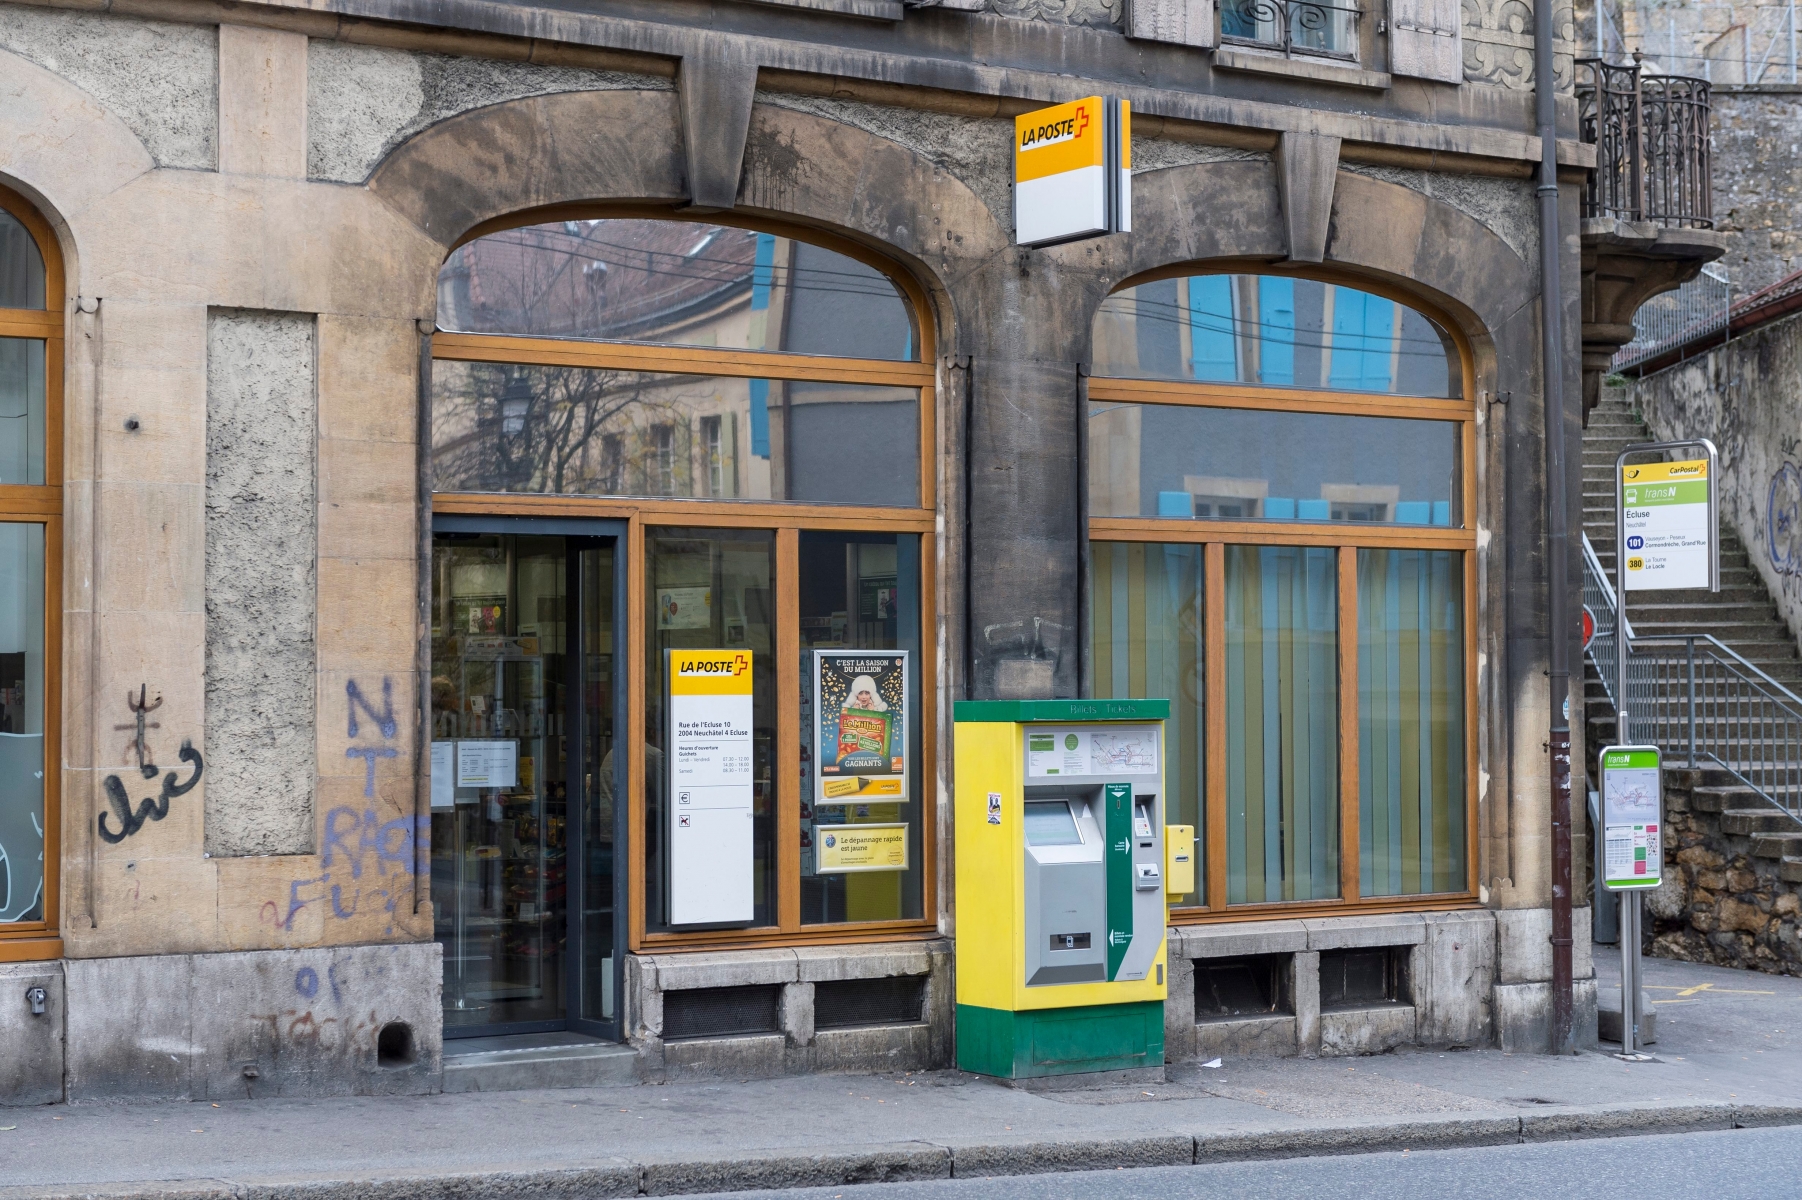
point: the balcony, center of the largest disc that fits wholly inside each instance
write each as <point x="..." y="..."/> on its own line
<point x="1648" y="209"/>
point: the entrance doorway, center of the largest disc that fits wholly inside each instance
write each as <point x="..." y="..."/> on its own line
<point x="525" y="830"/>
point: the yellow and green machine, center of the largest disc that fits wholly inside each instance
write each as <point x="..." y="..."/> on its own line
<point x="1061" y="882"/>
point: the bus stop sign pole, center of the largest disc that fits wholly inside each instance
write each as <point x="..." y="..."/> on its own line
<point x="1666" y="535"/>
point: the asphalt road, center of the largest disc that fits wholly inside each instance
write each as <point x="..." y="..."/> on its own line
<point x="1752" y="1163"/>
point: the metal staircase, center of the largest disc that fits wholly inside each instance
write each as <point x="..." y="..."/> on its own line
<point x="1712" y="678"/>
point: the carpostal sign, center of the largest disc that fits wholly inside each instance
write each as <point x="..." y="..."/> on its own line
<point x="1664" y="517"/>
<point x="1073" y="171"/>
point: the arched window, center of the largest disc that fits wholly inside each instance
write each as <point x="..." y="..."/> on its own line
<point x="675" y="359"/>
<point x="1279" y="492"/>
<point x="31" y="354"/>
<point x="753" y="407"/>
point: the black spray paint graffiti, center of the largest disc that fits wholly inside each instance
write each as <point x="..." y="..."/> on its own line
<point x="1783" y="520"/>
<point x="149" y="809"/>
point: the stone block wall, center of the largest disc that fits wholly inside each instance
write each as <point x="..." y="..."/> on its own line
<point x="1725" y="899"/>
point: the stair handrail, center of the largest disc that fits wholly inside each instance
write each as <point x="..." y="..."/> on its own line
<point x="1700" y="700"/>
<point x="1592" y="568"/>
<point x="1795" y="701"/>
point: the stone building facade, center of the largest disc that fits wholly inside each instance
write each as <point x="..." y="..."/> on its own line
<point x="321" y="793"/>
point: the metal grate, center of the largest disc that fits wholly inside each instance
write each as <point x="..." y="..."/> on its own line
<point x="721" y="1012"/>
<point x="1252" y="986"/>
<point x="845" y="1003"/>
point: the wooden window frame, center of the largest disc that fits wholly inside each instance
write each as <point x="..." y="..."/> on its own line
<point x="787" y="519"/>
<point x="1346" y="538"/>
<point x="34" y="504"/>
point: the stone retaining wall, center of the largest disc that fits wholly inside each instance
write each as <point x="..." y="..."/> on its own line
<point x="1729" y="897"/>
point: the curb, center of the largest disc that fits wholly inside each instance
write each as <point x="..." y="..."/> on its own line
<point x="920" y="1160"/>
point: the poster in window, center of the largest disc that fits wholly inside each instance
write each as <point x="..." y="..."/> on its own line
<point x="861" y="725"/>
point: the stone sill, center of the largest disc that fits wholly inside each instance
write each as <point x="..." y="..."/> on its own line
<point x="878" y="10"/>
<point x="1314" y="70"/>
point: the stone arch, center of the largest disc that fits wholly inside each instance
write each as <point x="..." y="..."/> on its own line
<point x="62" y="150"/>
<point x="1387" y="233"/>
<point x="626" y="147"/>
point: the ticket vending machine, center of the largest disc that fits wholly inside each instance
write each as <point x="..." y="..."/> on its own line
<point x="1060" y="887"/>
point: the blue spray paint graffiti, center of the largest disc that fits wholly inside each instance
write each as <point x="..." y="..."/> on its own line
<point x="358" y="843"/>
<point x="1783" y="520"/>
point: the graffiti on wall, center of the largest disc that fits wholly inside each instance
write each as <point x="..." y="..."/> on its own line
<point x="1783" y="520"/>
<point x="150" y="808"/>
<point x="366" y="864"/>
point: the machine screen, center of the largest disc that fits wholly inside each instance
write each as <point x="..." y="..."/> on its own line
<point x="1051" y="823"/>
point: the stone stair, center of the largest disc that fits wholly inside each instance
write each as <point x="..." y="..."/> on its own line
<point x="1742" y="614"/>
<point x="1772" y="832"/>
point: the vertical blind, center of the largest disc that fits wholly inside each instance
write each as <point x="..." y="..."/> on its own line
<point x="1282" y="723"/>
<point x="1148" y="640"/>
<point x="1411" y="746"/>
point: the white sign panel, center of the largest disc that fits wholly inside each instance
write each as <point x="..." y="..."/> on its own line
<point x="1632" y="825"/>
<point x="1073" y="171"/>
<point x="488" y="763"/>
<point x="1060" y="751"/>
<point x="444" y="774"/>
<point x="710" y="786"/>
<point x="1664" y="516"/>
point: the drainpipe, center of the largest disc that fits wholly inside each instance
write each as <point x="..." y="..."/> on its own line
<point x="1551" y="313"/>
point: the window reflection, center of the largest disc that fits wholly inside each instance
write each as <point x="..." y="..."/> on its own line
<point x="21" y="266"/>
<point x="22" y="763"/>
<point x="22" y="410"/>
<point x="581" y="431"/>
<point x="1166" y="460"/>
<point x="680" y="283"/>
<point x="859" y="591"/>
<point x="1273" y="330"/>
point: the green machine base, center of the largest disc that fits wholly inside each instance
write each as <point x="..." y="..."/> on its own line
<point x="1060" y="1041"/>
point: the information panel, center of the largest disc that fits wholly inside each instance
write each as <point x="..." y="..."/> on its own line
<point x="862" y="725"/>
<point x="710" y="785"/>
<point x="1063" y="751"/>
<point x="1664" y="515"/>
<point x="1632" y="842"/>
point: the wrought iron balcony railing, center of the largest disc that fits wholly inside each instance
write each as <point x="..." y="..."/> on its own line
<point x="1293" y="26"/>
<point x="1652" y="144"/>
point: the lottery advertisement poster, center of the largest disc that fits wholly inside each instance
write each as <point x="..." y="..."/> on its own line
<point x="861" y="723"/>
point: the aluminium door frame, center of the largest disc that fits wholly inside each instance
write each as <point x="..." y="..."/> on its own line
<point x="577" y="530"/>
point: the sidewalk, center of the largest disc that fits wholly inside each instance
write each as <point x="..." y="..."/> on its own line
<point x="1729" y="1055"/>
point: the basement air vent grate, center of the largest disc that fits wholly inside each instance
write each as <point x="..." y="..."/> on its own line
<point x="721" y="1012"/>
<point x="845" y="1003"/>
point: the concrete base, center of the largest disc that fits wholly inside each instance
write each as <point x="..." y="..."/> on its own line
<point x="923" y="1043"/>
<point x="1131" y="1077"/>
<point x="354" y="1020"/>
<point x="31" y="1061"/>
<point x="1246" y="1037"/>
<point x="546" y="1060"/>
<point x="1366" y="1030"/>
<point x="1608" y="1017"/>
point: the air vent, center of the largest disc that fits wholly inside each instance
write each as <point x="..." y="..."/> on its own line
<point x="721" y="1012"/>
<point x="1363" y="978"/>
<point x="845" y="1003"/>
<point x="1252" y="986"/>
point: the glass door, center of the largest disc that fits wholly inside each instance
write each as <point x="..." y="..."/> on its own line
<point x="523" y="820"/>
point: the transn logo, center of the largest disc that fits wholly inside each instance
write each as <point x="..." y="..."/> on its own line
<point x="1054" y="132"/>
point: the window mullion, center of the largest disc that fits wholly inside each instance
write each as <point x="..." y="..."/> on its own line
<point x="1349" y="841"/>
<point x="788" y="730"/>
<point x="1214" y="669"/>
